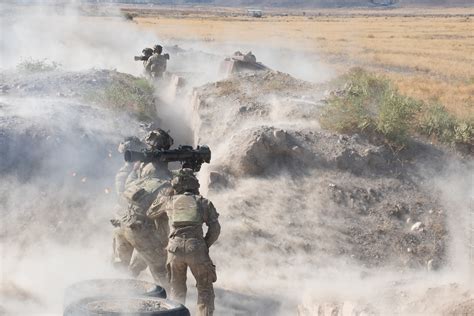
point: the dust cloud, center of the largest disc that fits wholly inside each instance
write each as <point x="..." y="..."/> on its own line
<point x="282" y="243"/>
<point x="67" y="37"/>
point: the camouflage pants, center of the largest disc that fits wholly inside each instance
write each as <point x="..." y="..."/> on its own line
<point x="151" y="247"/>
<point x="124" y="256"/>
<point x="192" y="253"/>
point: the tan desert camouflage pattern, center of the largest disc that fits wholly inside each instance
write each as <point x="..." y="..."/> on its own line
<point x="156" y="65"/>
<point x="137" y="231"/>
<point x="188" y="247"/>
<point x="124" y="256"/>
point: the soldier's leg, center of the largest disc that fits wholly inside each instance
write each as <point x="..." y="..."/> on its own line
<point x="205" y="275"/>
<point x="152" y="250"/>
<point x="155" y="258"/>
<point x="122" y="250"/>
<point x="177" y="269"/>
<point x="137" y="264"/>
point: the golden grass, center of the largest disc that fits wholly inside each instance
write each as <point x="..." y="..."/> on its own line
<point x="429" y="55"/>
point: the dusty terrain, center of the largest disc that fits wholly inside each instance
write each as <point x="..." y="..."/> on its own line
<point x="314" y="222"/>
<point x="429" y="52"/>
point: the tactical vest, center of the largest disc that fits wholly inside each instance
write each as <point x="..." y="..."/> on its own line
<point x="142" y="193"/>
<point x="185" y="211"/>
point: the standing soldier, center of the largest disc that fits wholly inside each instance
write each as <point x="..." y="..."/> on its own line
<point x="124" y="257"/>
<point x="187" y="211"/>
<point x="156" y="64"/>
<point x="146" y="236"/>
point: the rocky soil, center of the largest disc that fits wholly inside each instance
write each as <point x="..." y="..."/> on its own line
<point x="311" y="199"/>
<point x="313" y="222"/>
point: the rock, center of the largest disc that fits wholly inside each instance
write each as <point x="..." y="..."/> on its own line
<point x="297" y="149"/>
<point x="432" y="265"/>
<point x="418" y="227"/>
<point x="280" y="135"/>
<point x="350" y="160"/>
<point x="356" y="138"/>
<point x="342" y="139"/>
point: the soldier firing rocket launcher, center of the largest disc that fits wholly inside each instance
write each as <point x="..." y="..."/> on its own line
<point x="189" y="157"/>
<point x="147" y="52"/>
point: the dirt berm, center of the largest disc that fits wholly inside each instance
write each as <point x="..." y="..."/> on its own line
<point x="297" y="201"/>
<point x="309" y="218"/>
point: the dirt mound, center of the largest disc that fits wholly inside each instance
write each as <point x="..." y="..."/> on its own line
<point x="377" y="213"/>
<point x="464" y="308"/>
<point x="293" y="195"/>
<point x="247" y="100"/>
<point x="57" y="83"/>
<point x="260" y="150"/>
<point x="301" y="208"/>
<point x="106" y="88"/>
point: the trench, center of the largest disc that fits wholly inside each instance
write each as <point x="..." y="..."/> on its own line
<point x="56" y="200"/>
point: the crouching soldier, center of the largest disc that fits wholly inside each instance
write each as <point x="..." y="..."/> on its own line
<point x="187" y="211"/>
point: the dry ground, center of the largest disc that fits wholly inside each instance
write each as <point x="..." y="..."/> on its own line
<point x="429" y="53"/>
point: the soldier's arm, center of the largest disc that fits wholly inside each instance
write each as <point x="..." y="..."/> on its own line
<point x="150" y="62"/>
<point x="211" y="218"/>
<point x="133" y="175"/>
<point x="121" y="177"/>
<point x="157" y="209"/>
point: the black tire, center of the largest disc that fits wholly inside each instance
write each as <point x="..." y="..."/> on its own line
<point x="125" y="306"/>
<point x="110" y="288"/>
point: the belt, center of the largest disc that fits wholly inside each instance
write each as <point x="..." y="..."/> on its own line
<point x="186" y="236"/>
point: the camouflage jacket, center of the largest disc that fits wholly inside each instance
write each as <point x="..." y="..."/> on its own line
<point x="162" y="206"/>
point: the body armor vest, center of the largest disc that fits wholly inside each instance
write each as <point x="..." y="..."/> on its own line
<point x="185" y="211"/>
<point x="143" y="192"/>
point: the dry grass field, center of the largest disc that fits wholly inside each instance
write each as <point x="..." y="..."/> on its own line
<point x="428" y="53"/>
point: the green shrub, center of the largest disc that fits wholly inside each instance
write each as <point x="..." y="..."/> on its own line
<point x="370" y="104"/>
<point x="32" y="65"/>
<point x="437" y="123"/>
<point x="395" y="116"/>
<point x="464" y="133"/>
<point x="134" y="95"/>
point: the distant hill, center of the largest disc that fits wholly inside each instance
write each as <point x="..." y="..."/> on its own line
<point x="310" y="3"/>
<point x="275" y="3"/>
<point x="336" y="3"/>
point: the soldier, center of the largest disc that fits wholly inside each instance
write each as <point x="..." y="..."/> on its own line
<point x="124" y="257"/>
<point x="146" y="236"/>
<point x="187" y="211"/>
<point x="156" y="64"/>
<point x="147" y="53"/>
<point x="129" y="143"/>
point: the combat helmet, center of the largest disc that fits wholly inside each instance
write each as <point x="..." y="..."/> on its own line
<point x="184" y="180"/>
<point x="159" y="139"/>
<point x="132" y="143"/>
<point x="157" y="49"/>
<point x="147" y="51"/>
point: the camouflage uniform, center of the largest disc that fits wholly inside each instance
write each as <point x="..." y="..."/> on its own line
<point x="124" y="256"/>
<point x="140" y="232"/>
<point x="188" y="247"/>
<point x="137" y="231"/>
<point x="156" y="65"/>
